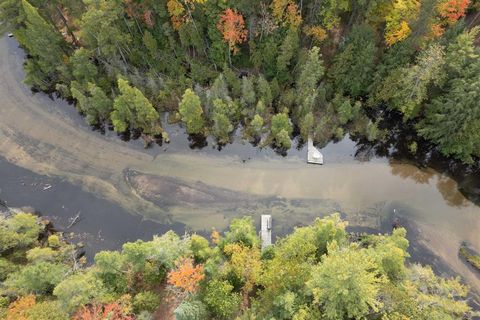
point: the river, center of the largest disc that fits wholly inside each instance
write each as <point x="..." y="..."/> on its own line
<point x="44" y="142"/>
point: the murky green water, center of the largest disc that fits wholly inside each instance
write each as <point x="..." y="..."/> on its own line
<point x="48" y="138"/>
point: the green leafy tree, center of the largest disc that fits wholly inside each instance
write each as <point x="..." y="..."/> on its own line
<point x="38" y="278"/>
<point x="191" y="112"/>
<point x="221" y="300"/>
<point x="346" y="284"/>
<point x="242" y="231"/>
<point x="78" y="290"/>
<point x="146" y="301"/>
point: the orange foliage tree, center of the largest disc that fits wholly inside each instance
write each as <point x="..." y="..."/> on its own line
<point x="110" y="311"/>
<point x="232" y="27"/>
<point x="186" y="276"/>
<point x="452" y="10"/>
<point x="18" y="310"/>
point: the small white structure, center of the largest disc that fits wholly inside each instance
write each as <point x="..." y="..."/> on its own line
<point x="266" y="230"/>
<point x="10" y="35"/>
<point x="314" y="156"/>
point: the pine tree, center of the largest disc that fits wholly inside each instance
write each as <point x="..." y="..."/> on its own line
<point x="353" y="68"/>
<point x="452" y="119"/>
<point x="132" y="109"/>
<point x="44" y="44"/>
<point x="191" y="112"/>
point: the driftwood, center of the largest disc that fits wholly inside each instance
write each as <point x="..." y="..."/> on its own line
<point x="75" y="220"/>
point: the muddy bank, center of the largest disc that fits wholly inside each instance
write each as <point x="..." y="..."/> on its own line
<point x="49" y="139"/>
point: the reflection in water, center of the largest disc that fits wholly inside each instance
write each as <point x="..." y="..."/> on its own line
<point x="49" y="138"/>
<point x="445" y="185"/>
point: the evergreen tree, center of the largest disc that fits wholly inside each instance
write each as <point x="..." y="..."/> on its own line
<point x="191" y="112"/>
<point x="44" y="44"/>
<point x="281" y="129"/>
<point x="132" y="109"/>
<point x="306" y="85"/>
<point x="407" y="88"/>
<point x="353" y="68"/>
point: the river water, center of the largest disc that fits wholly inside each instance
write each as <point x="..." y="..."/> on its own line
<point x="44" y="142"/>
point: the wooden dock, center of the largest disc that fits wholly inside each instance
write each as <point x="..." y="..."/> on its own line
<point x="266" y="231"/>
<point x="314" y="156"/>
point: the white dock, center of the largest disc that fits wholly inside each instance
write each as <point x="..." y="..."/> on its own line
<point x="314" y="156"/>
<point x="266" y="231"/>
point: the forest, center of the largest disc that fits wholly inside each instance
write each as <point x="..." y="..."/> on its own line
<point x="271" y="71"/>
<point x="319" y="271"/>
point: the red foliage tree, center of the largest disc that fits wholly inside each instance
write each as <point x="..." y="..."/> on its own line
<point x="452" y="10"/>
<point x="232" y="27"/>
<point x="111" y="311"/>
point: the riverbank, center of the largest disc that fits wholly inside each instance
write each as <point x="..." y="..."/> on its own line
<point x="48" y="138"/>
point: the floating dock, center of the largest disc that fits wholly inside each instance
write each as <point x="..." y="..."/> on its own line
<point x="266" y="230"/>
<point x="314" y="156"/>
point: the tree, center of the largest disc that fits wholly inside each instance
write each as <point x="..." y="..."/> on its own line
<point x="306" y="85"/>
<point x="241" y="231"/>
<point x="186" y="276"/>
<point x="131" y="108"/>
<point x="145" y="301"/>
<point x="222" y="127"/>
<point x="353" y="67"/>
<point x="191" y="112"/>
<point x="232" y="27"/>
<point x="221" y="300"/>
<point x="452" y="10"/>
<point x="44" y="44"/>
<point x="83" y="70"/>
<point x="38" y="278"/>
<point x="245" y="263"/>
<point x="248" y="92"/>
<point x="346" y="283"/>
<point x="397" y="20"/>
<point x="288" y="49"/>
<point x="330" y="12"/>
<point x="452" y="120"/>
<point x="256" y="126"/>
<point x="93" y="102"/>
<point x="264" y="92"/>
<point x="20" y="231"/>
<point x="407" y="88"/>
<point x="78" y="290"/>
<point x="281" y="129"/>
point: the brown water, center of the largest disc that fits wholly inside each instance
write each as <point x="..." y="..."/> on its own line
<point x="47" y="138"/>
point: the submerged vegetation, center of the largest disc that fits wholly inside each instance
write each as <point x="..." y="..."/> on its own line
<point x="276" y="68"/>
<point x="470" y="256"/>
<point x="316" y="272"/>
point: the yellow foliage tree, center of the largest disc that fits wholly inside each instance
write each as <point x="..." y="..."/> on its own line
<point x="397" y="20"/>
<point x="316" y="32"/>
<point x="286" y="12"/>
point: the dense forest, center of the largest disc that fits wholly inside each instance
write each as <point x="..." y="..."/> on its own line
<point x="276" y="69"/>
<point x="317" y="272"/>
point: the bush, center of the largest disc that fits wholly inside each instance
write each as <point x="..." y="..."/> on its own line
<point x="146" y="301"/>
<point x="54" y="241"/>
